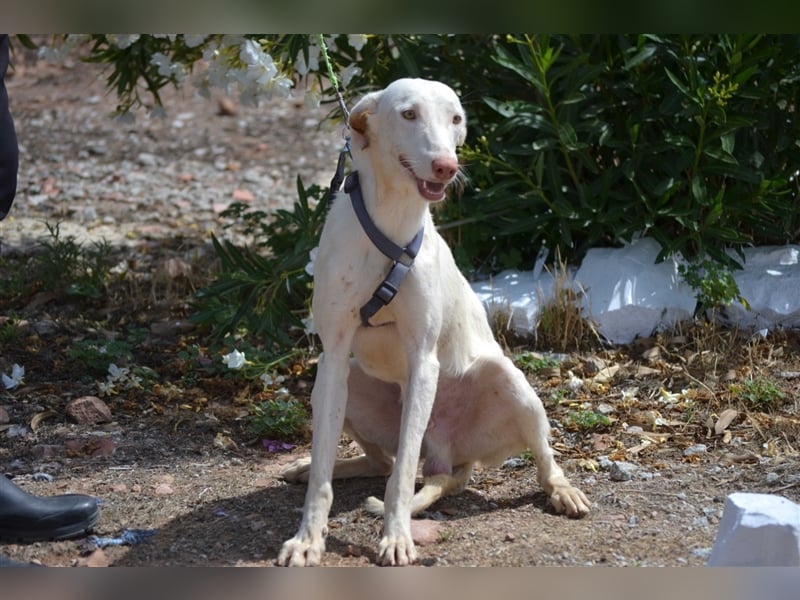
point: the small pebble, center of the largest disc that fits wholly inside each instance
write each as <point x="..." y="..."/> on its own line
<point x="695" y="450"/>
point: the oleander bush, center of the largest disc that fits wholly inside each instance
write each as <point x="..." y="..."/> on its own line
<point x="575" y="141"/>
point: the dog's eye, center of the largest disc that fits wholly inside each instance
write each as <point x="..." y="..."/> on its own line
<point x="409" y="115"/>
<point x="457" y="119"/>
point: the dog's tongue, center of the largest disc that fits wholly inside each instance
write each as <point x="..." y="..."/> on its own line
<point x="430" y="190"/>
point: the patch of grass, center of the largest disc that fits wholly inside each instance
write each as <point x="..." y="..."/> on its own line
<point x="759" y="393"/>
<point x="585" y="420"/>
<point x="282" y="418"/>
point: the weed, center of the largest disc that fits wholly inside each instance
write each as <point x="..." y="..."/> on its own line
<point x="558" y="395"/>
<point x="282" y="418"/>
<point x="759" y="393"/>
<point x="585" y="420"/>
<point x="531" y="362"/>
<point x="9" y="332"/>
<point x="64" y="265"/>
<point x="527" y="456"/>
<point x="562" y="326"/>
<point x="96" y="355"/>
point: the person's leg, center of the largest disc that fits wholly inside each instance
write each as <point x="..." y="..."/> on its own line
<point x="28" y="518"/>
<point x="9" y="150"/>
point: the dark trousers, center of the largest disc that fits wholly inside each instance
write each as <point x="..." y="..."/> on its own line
<point x="9" y="151"/>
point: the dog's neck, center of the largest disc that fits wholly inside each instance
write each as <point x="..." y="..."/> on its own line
<point x="394" y="204"/>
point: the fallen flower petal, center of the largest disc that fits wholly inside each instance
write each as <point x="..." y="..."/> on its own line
<point x="277" y="446"/>
<point x="234" y="360"/>
<point x="17" y="375"/>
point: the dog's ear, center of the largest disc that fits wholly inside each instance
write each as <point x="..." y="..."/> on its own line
<point x="360" y="115"/>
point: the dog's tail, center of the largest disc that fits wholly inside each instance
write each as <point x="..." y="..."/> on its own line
<point x="435" y="487"/>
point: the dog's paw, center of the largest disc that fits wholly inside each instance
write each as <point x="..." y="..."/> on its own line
<point x="570" y="501"/>
<point x="297" y="472"/>
<point x="301" y="551"/>
<point x="396" y="551"/>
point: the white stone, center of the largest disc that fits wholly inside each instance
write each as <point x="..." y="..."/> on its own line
<point x="770" y="283"/>
<point x="628" y="295"/>
<point x="757" y="530"/>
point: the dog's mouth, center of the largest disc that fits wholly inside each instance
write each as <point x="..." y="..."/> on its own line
<point x="430" y="190"/>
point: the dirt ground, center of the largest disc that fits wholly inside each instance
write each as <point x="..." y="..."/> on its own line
<point x="177" y="461"/>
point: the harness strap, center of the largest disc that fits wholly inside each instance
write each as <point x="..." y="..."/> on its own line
<point x="402" y="256"/>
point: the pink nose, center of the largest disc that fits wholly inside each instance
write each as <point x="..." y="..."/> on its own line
<point x="444" y="169"/>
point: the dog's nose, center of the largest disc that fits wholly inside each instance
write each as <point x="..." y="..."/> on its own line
<point x="444" y="169"/>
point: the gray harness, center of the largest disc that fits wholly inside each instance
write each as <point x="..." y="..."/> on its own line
<point x="402" y="257"/>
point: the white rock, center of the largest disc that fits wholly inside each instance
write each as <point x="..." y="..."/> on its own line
<point x="628" y="295"/>
<point x="757" y="530"/>
<point x="622" y="471"/>
<point x="770" y="283"/>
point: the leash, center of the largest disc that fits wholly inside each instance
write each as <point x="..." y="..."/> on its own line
<point x="402" y="257"/>
<point x="338" y="176"/>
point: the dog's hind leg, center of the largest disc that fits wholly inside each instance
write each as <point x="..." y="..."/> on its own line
<point x="433" y="488"/>
<point x="371" y="464"/>
<point x="534" y="427"/>
<point x="372" y="419"/>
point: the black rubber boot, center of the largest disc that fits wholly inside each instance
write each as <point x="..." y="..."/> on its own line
<point x="9" y="151"/>
<point x="28" y="518"/>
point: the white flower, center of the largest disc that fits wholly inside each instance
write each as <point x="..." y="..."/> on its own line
<point x="308" y="324"/>
<point x="122" y="41"/>
<point x="668" y="397"/>
<point x="312" y="98"/>
<point x="234" y="360"/>
<point x="270" y="379"/>
<point x="629" y="394"/>
<point x="312" y="257"/>
<point x="252" y="54"/>
<point x="193" y="40"/>
<point x="106" y="389"/>
<point x="17" y="375"/>
<point x="357" y="40"/>
<point x="116" y="373"/>
<point x="348" y="73"/>
<point x="574" y="383"/>
<point x="167" y="68"/>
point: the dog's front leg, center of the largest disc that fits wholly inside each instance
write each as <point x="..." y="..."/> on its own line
<point x="328" y="402"/>
<point x="397" y="546"/>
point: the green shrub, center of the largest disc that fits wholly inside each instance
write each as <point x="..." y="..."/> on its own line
<point x="689" y="139"/>
<point x="264" y="291"/>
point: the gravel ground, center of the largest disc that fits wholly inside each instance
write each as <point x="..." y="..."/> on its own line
<point x="657" y="476"/>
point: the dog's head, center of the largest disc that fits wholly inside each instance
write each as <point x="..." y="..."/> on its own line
<point x="414" y="126"/>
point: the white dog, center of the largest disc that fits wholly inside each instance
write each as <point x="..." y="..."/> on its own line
<point x="426" y="378"/>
